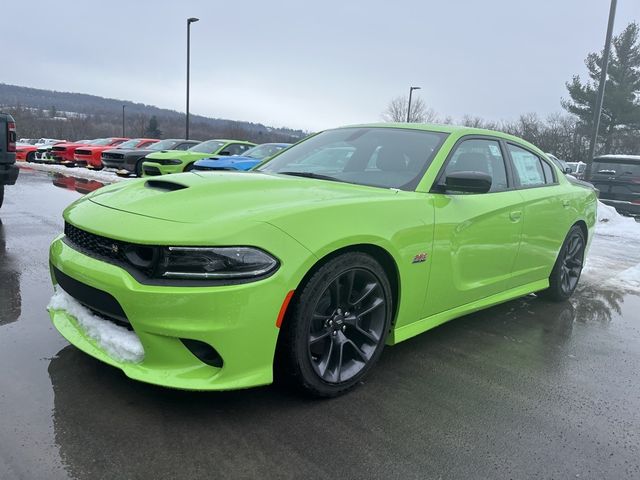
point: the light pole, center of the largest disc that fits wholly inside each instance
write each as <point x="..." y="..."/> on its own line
<point x="123" y="120"/>
<point x="189" y="22"/>
<point x="603" y="80"/>
<point x="411" y="89"/>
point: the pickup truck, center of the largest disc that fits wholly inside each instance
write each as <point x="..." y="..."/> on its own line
<point x="8" y="169"/>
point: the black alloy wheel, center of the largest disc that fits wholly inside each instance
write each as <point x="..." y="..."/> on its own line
<point x="568" y="267"/>
<point x="338" y="325"/>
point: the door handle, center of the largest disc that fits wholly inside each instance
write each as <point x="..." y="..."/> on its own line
<point x="515" y="216"/>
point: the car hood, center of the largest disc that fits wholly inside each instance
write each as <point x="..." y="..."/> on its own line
<point x="214" y="197"/>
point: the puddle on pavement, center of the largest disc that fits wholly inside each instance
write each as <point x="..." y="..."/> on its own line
<point x="80" y="185"/>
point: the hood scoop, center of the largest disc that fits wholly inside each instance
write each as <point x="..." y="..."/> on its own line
<point x="164" y="185"/>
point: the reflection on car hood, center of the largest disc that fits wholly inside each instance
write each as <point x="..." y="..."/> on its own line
<point x="218" y="196"/>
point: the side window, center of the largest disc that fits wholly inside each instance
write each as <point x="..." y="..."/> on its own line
<point x="234" y="149"/>
<point x="548" y="172"/>
<point x="480" y="155"/>
<point x="184" y="146"/>
<point x="528" y="167"/>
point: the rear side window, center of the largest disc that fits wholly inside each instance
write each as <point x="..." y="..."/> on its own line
<point x="183" y="146"/>
<point x="548" y="172"/>
<point x="528" y="167"/>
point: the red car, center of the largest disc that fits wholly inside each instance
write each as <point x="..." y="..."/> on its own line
<point x="63" y="152"/>
<point x="94" y="158"/>
<point x="89" y="156"/>
<point x="26" y="153"/>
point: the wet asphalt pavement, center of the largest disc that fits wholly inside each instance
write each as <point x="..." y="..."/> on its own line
<point x="527" y="389"/>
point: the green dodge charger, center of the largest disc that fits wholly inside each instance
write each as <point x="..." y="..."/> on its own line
<point x="177" y="161"/>
<point x="306" y="267"/>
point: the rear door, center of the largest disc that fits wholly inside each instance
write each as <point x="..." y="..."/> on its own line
<point x="547" y="215"/>
<point x="476" y="235"/>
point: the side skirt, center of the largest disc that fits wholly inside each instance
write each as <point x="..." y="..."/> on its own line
<point x="422" y="325"/>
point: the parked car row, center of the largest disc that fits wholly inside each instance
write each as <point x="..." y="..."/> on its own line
<point x="148" y="156"/>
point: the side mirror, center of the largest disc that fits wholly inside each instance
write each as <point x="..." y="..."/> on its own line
<point x="568" y="170"/>
<point x="471" y="182"/>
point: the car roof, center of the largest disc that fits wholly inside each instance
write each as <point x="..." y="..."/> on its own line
<point x="459" y="130"/>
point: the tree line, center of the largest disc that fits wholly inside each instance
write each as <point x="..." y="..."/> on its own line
<point x="567" y="135"/>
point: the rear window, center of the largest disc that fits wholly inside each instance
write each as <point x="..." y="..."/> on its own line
<point x="616" y="168"/>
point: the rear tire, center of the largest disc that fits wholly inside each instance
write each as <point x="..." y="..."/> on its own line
<point x="336" y="327"/>
<point x="568" y="267"/>
<point x="31" y="156"/>
<point x="1" y="194"/>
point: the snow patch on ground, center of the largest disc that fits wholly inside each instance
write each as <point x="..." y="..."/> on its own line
<point x="118" y="342"/>
<point x="105" y="176"/>
<point x="612" y="224"/>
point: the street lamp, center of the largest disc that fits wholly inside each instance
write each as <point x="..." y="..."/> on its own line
<point x="600" y="97"/>
<point x="189" y="22"/>
<point x="123" y="120"/>
<point x="411" y="89"/>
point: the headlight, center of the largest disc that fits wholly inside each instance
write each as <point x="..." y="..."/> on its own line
<point x="202" y="263"/>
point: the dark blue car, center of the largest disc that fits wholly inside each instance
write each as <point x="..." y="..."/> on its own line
<point x="249" y="159"/>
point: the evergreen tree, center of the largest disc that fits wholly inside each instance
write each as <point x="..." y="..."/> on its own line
<point x="53" y="112"/>
<point x="621" y="105"/>
<point x="152" y="129"/>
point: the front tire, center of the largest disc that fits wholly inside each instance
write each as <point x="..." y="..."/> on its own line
<point x="568" y="267"/>
<point x="31" y="157"/>
<point x="337" y="326"/>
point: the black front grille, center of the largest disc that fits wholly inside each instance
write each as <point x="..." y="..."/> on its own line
<point x="137" y="259"/>
<point x="113" y="156"/>
<point x="151" y="170"/>
<point x="83" y="152"/>
<point x="98" y="301"/>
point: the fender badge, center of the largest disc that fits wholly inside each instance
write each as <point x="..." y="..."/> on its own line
<point x="419" y="258"/>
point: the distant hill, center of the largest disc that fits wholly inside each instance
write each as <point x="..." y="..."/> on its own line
<point x="42" y="113"/>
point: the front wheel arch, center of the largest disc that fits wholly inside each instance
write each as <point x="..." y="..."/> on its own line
<point x="382" y="255"/>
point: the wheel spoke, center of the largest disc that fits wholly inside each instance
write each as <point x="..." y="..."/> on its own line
<point x="357" y="349"/>
<point x="351" y="277"/>
<point x="335" y="293"/>
<point x="368" y="289"/>
<point x="316" y="337"/>
<point x="376" y="303"/>
<point x="324" y="363"/>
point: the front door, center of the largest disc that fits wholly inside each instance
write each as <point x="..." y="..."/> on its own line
<point x="476" y="236"/>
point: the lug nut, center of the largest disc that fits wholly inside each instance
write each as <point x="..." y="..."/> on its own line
<point x="344" y="328"/>
<point x="335" y="332"/>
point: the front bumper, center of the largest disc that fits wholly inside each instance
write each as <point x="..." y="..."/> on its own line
<point x="8" y="174"/>
<point x="150" y="168"/>
<point x="238" y="321"/>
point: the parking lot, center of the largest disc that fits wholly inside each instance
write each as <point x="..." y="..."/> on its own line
<point x="527" y="389"/>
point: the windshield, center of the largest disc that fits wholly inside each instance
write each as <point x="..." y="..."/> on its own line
<point x="616" y="168"/>
<point x="210" y="146"/>
<point x="162" y="145"/>
<point x="263" y="151"/>
<point x="102" y="142"/>
<point x="374" y="156"/>
<point x="129" y="143"/>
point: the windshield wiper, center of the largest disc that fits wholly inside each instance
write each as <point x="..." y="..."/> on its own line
<point x="311" y="175"/>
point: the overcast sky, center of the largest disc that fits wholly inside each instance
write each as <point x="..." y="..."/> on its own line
<point x="311" y="65"/>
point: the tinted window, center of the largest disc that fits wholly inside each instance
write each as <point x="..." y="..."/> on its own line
<point x="616" y="168"/>
<point x="482" y="156"/>
<point x="183" y="146"/>
<point x="235" y="149"/>
<point x="210" y="146"/>
<point x="528" y="167"/>
<point x="374" y="156"/>
<point x="548" y="172"/>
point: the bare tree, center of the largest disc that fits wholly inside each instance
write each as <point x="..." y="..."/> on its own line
<point x="396" y="111"/>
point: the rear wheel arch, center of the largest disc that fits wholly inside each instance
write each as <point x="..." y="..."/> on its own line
<point x="583" y="226"/>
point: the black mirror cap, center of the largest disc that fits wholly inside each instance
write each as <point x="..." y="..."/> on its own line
<point x="568" y="170"/>
<point x="471" y="182"/>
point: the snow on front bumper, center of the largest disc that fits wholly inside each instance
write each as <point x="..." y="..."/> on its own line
<point x="120" y="344"/>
